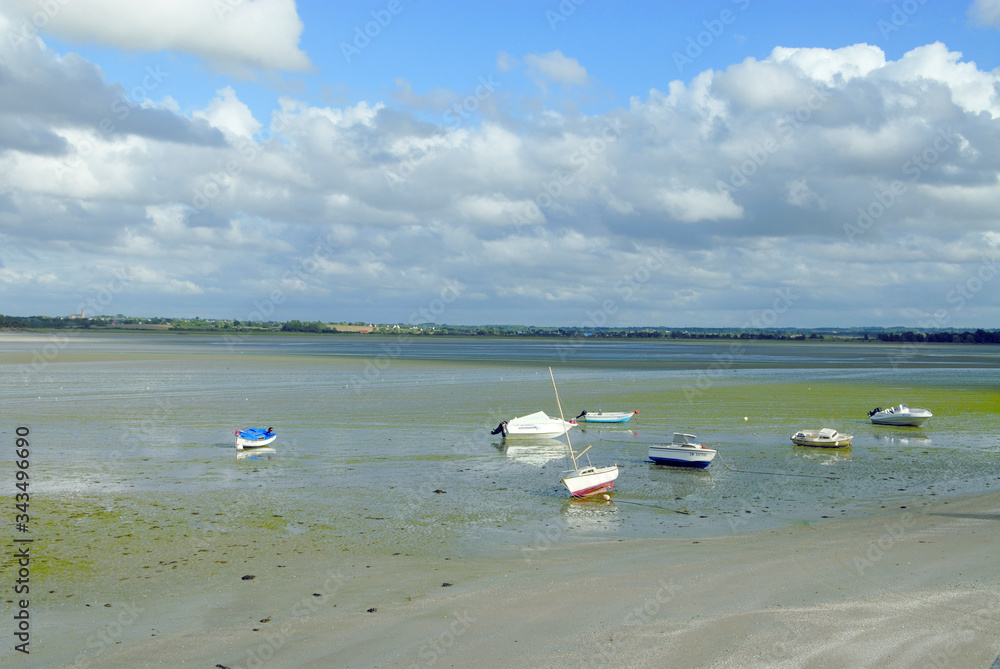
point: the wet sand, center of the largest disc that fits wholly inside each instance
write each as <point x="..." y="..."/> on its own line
<point x="903" y="587"/>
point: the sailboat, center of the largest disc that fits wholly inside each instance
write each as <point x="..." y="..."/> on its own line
<point x="587" y="480"/>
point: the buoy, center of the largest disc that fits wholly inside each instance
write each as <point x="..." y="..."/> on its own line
<point x="607" y="496"/>
<point x="745" y="418"/>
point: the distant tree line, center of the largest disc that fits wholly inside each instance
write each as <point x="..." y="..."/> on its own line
<point x="299" y="326"/>
<point x="978" y="337"/>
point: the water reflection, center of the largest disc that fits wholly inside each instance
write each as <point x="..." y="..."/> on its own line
<point x="537" y="451"/>
<point x="912" y="437"/>
<point x="594" y="513"/>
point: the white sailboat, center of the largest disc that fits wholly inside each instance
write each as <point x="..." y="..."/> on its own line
<point x="588" y="480"/>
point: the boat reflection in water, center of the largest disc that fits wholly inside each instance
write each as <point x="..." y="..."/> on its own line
<point x="593" y="513"/>
<point x="536" y="452"/>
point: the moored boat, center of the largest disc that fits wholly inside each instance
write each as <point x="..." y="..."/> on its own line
<point x="824" y="438"/>
<point x="254" y="437"/>
<point x="606" y="416"/>
<point x="590" y="480"/>
<point x="584" y="481"/>
<point x="683" y="451"/>
<point x="537" y="424"/>
<point x="902" y="415"/>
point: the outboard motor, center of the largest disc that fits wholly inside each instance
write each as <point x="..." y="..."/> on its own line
<point x="500" y="428"/>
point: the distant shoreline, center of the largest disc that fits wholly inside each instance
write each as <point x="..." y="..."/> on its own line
<point x="222" y="328"/>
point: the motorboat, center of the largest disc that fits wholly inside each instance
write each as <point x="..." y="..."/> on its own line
<point x="683" y="451"/>
<point x="537" y="424"/>
<point x="899" y="415"/>
<point x="254" y="437"/>
<point x="824" y="438"/>
<point x="606" y="416"/>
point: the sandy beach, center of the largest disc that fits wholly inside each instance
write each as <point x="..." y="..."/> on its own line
<point x="904" y="587"/>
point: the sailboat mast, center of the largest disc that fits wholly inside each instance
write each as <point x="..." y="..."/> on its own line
<point x="559" y="404"/>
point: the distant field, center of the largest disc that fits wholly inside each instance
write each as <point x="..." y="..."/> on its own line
<point x="351" y="328"/>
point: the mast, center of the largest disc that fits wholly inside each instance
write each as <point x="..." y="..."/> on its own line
<point x="559" y="404"/>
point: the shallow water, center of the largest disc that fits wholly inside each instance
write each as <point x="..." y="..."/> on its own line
<point x="140" y="427"/>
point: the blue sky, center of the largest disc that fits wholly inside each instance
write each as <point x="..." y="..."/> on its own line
<point x="726" y="163"/>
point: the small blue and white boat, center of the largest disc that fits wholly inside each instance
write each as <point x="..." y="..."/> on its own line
<point x="606" y="416"/>
<point x="683" y="451"/>
<point x="254" y="437"/>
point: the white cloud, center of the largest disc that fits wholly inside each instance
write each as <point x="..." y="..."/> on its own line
<point x="540" y="215"/>
<point x="227" y="33"/>
<point x="986" y="12"/>
<point x="554" y="66"/>
<point x="229" y="114"/>
<point x="690" y="205"/>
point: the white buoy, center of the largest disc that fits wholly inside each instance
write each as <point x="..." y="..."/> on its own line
<point x="745" y="418"/>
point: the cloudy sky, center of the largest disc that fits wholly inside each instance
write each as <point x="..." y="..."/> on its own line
<point x="561" y="162"/>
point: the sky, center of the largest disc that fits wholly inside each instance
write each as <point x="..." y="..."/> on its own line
<point x="577" y="163"/>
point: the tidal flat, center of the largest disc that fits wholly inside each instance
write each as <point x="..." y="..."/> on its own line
<point x="385" y="477"/>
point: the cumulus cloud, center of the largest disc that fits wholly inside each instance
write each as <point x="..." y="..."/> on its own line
<point x="692" y="206"/>
<point x="226" y="33"/>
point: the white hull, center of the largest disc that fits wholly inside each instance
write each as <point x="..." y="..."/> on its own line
<point x="537" y="424"/>
<point x="606" y="416"/>
<point x="690" y="457"/>
<point x="825" y="438"/>
<point x="684" y="451"/>
<point x="901" y="415"/>
<point x="588" y="481"/>
<point x="242" y="443"/>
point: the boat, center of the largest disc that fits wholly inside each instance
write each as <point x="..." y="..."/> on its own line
<point x="254" y="437"/>
<point x="899" y="415"/>
<point x="537" y="424"/>
<point x="825" y="438"/>
<point x="588" y="480"/>
<point x="683" y="451"/>
<point x="606" y="416"/>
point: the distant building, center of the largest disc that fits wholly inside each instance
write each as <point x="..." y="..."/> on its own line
<point x="75" y="316"/>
